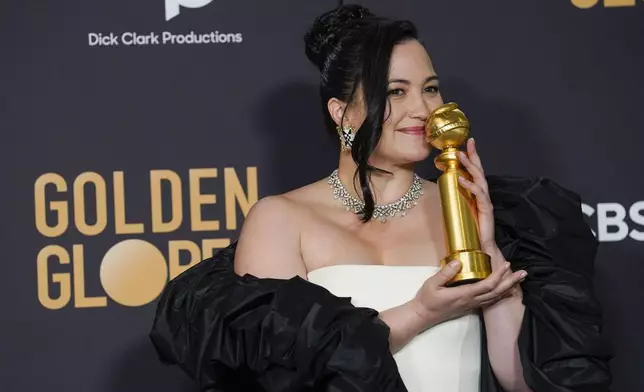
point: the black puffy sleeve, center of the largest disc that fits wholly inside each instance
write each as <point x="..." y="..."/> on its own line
<point x="232" y="333"/>
<point x="540" y="228"/>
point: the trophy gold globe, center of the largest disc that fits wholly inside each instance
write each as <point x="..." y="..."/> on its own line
<point x="447" y="129"/>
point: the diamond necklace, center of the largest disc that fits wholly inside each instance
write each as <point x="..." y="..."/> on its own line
<point x="381" y="212"/>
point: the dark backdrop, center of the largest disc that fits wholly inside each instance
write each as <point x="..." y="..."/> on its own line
<point x="126" y="164"/>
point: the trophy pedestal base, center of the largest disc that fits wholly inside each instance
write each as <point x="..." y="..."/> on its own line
<point x="475" y="266"/>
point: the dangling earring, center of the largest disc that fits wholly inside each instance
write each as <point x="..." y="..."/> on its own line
<point x="346" y="134"/>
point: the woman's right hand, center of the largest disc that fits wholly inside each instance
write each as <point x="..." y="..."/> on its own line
<point x="436" y="303"/>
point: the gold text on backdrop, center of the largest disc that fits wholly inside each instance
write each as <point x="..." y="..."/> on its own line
<point x="87" y="215"/>
<point x="606" y="3"/>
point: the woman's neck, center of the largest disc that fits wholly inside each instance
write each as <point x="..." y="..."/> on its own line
<point x="385" y="187"/>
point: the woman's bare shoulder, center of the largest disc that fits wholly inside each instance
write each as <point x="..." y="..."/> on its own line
<point x="269" y="242"/>
<point x="310" y="196"/>
<point x="289" y="206"/>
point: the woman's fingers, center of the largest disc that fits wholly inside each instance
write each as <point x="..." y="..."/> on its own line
<point x="475" y="171"/>
<point x="505" y="286"/>
<point x="445" y="274"/>
<point x="473" y="153"/>
<point x="482" y="198"/>
<point x="494" y="300"/>
<point x="472" y="163"/>
<point x="491" y="288"/>
<point x="486" y="285"/>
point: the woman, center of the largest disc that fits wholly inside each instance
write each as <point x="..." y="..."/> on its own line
<point x="319" y="294"/>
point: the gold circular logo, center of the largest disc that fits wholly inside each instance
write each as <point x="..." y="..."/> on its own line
<point x="133" y="272"/>
<point x="584" y="3"/>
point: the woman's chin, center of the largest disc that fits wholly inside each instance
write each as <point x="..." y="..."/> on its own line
<point x="407" y="156"/>
<point x="416" y="155"/>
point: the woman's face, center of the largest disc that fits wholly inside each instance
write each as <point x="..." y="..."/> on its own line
<point x="412" y="94"/>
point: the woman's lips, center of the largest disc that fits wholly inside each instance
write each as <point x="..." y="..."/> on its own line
<point x="413" y="130"/>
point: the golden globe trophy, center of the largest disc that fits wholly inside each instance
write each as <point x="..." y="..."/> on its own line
<point x="447" y="129"/>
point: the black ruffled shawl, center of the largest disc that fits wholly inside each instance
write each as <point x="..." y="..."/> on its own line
<point x="233" y="333"/>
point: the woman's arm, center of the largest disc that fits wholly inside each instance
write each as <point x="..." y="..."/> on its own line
<point x="269" y="241"/>
<point x="435" y="303"/>
<point x="502" y="325"/>
<point x="502" y="319"/>
<point x="405" y="322"/>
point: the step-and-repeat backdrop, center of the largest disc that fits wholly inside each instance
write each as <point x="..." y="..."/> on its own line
<point x="136" y="136"/>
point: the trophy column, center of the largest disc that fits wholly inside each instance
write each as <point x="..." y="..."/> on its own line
<point x="447" y="129"/>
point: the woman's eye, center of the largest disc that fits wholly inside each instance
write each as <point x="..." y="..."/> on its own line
<point x="431" y="89"/>
<point x="396" y="91"/>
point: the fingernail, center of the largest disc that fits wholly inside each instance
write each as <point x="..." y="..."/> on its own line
<point x="506" y="265"/>
<point x="523" y="274"/>
<point x="454" y="263"/>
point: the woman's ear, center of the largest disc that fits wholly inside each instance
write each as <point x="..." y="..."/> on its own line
<point x="336" y="109"/>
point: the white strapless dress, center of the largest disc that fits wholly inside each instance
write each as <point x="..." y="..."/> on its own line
<point x="444" y="358"/>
